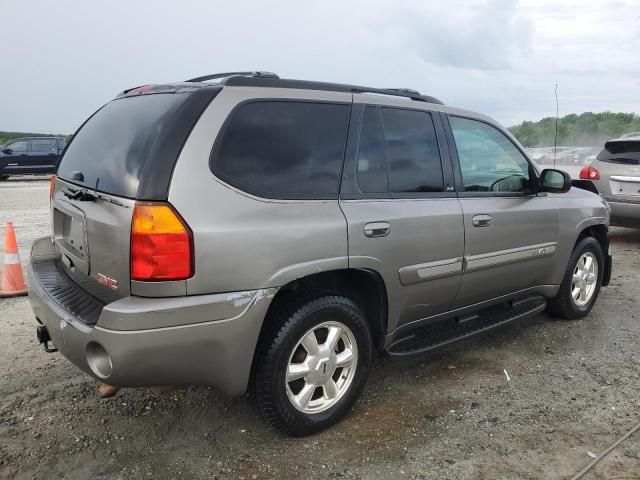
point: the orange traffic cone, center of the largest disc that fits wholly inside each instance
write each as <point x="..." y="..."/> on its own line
<point x="12" y="280"/>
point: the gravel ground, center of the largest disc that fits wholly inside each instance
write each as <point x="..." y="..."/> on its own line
<point x="452" y="415"/>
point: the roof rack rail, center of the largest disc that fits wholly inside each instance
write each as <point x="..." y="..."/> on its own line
<point x="231" y="74"/>
<point x="404" y="90"/>
<point x="265" y="81"/>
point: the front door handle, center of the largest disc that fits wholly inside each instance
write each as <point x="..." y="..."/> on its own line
<point x="482" y="220"/>
<point x="377" y="229"/>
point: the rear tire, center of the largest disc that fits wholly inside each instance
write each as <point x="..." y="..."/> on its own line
<point x="312" y="362"/>
<point x="581" y="283"/>
<point x="3" y="178"/>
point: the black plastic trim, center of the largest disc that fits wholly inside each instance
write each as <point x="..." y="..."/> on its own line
<point x="155" y="177"/>
<point x="70" y="296"/>
<point x="456" y="328"/>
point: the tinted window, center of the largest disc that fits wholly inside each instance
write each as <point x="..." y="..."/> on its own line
<point x="284" y="149"/>
<point x="114" y="145"/>
<point x="412" y="148"/>
<point x="489" y="161"/>
<point x="371" y="175"/>
<point x="18" y="146"/>
<point x="398" y="152"/>
<point x="43" y="145"/>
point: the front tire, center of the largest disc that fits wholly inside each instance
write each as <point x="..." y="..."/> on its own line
<point x="4" y="177"/>
<point x="312" y="362"/>
<point x="581" y="283"/>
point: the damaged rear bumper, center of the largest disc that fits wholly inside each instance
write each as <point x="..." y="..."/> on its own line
<point x="200" y="339"/>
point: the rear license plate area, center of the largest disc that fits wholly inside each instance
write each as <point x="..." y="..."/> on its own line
<point x="626" y="188"/>
<point x="71" y="239"/>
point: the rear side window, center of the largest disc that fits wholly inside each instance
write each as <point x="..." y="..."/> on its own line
<point x="43" y="145"/>
<point x="398" y="152"/>
<point x="283" y="149"/>
<point x="112" y="147"/>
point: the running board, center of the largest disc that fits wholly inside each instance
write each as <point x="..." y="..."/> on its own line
<point x="450" y="330"/>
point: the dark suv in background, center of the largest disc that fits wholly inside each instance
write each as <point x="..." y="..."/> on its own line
<point x="30" y="155"/>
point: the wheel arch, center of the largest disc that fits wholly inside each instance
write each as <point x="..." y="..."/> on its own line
<point x="365" y="287"/>
<point x="601" y="233"/>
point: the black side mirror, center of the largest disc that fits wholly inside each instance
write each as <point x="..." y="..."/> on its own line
<point x="554" y="181"/>
<point x="8" y="151"/>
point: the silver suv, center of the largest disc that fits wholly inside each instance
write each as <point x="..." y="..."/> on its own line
<point x="268" y="235"/>
<point x="615" y="172"/>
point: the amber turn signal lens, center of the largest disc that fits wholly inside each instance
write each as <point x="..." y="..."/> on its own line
<point x="161" y="244"/>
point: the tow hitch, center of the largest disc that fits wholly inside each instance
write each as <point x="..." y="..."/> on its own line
<point x="43" y="337"/>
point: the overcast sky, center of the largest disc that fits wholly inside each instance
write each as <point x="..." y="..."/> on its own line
<point x="62" y="60"/>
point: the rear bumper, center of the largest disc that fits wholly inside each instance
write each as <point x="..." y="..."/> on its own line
<point x="625" y="214"/>
<point x="203" y="339"/>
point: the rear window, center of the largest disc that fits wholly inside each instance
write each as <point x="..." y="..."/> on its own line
<point x="283" y="149"/>
<point x="113" y="146"/>
<point x="621" y="152"/>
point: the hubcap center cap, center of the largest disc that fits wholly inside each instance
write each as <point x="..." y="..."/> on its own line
<point x="322" y="367"/>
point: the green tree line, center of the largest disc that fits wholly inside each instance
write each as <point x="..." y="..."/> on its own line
<point x="584" y="130"/>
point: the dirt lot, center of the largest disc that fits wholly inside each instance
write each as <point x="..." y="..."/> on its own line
<point x="574" y="390"/>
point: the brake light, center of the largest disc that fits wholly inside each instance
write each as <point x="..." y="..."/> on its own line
<point x="589" y="173"/>
<point x="161" y="244"/>
<point x="52" y="186"/>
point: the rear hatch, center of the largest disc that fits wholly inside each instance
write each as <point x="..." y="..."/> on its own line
<point x="619" y="167"/>
<point x="125" y="152"/>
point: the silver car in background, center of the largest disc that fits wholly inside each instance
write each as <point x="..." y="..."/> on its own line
<point x="616" y="174"/>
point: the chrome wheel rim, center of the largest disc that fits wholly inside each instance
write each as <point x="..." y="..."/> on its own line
<point x="585" y="279"/>
<point x="321" y="367"/>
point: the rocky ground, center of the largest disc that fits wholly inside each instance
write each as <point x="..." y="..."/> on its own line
<point x="573" y="390"/>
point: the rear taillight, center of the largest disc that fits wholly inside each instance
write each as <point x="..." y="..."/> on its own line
<point x="161" y="244"/>
<point x="589" y="173"/>
<point x="52" y="186"/>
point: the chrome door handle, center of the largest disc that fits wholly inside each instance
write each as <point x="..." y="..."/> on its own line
<point x="482" y="220"/>
<point x="377" y="229"/>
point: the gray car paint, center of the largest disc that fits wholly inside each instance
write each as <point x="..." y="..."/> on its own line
<point x="205" y="329"/>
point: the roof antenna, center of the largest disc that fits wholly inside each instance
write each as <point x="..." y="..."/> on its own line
<point x="555" y="138"/>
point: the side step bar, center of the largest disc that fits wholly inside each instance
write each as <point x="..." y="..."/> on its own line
<point x="449" y="330"/>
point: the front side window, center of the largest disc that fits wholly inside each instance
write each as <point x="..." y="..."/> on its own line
<point x="18" y="146"/>
<point x="43" y="145"/>
<point x="283" y="149"/>
<point x="489" y="161"/>
<point x="398" y="152"/>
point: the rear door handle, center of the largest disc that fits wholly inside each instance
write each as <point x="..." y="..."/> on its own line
<point x="482" y="220"/>
<point x="377" y="229"/>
